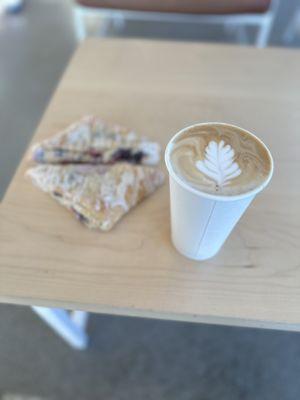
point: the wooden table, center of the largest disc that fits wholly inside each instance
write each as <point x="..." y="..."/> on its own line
<point x="48" y="259"/>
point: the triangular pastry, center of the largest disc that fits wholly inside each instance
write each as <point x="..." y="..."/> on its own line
<point x="93" y="141"/>
<point x="98" y="195"/>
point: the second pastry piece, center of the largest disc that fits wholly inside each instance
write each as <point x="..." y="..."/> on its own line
<point x="93" y="141"/>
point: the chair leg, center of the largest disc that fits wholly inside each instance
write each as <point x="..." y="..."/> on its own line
<point x="119" y="21"/>
<point x="263" y="34"/>
<point x="242" y="34"/>
<point x="107" y="18"/>
<point x="79" y="23"/>
<point x="105" y="24"/>
<point x="71" y="327"/>
<point x="292" y="28"/>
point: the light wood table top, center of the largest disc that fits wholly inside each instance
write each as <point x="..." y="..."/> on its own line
<point x="48" y="258"/>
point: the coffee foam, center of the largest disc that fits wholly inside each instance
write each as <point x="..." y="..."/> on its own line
<point x="220" y="159"/>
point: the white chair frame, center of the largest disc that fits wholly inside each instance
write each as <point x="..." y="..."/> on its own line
<point x="292" y="28"/>
<point x="118" y="18"/>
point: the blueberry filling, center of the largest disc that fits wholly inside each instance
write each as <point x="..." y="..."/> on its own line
<point x="59" y="153"/>
<point x="95" y="153"/>
<point x="80" y="217"/>
<point x="122" y="154"/>
<point x="137" y="157"/>
<point x="39" y="155"/>
<point x="128" y="155"/>
<point x="63" y="157"/>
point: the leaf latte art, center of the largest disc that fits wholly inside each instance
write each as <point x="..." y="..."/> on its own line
<point x="220" y="159"/>
<point x="219" y="163"/>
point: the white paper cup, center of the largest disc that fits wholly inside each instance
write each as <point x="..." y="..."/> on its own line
<point x="201" y="222"/>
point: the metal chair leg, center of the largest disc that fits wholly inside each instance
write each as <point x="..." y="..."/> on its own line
<point x="292" y="28"/>
<point x="242" y="34"/>
<point x="79" y="24"/>
<point x="119" y="21"/>
<point x="264" y="31"/>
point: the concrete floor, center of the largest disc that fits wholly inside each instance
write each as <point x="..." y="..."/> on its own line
<point x="128" y="358"/>
<point x="131" y="358"/>
<point x="35" y="47"/>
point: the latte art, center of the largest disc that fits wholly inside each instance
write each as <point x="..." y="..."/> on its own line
<point x="220" y="159"/>
<point x="219" y="164"/>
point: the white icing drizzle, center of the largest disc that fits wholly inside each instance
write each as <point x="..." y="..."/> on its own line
<point x="152" y="151"/>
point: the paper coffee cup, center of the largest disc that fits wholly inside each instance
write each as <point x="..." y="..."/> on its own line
<point x="201" y="222"/>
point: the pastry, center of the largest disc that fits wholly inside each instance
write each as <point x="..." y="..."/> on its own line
<point x="99" y="195"/>
<point x="93" y="141"/>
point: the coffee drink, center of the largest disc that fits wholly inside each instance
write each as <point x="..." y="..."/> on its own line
<point x="220" y="159"/>
<point x="215" y="171"/>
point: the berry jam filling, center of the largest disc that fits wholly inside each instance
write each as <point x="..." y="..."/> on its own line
<point x="80" y="217"/>
<point x="39" y="155"/>
<point x="64" y="158"/>
<point x="128" y="155"/>
<point x="59" y="153"/>
<point x="95" y="153"/>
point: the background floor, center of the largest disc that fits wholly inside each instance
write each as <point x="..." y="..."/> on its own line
<point x="128" y="358"/>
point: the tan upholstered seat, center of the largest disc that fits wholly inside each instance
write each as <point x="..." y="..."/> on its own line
<point x="183" y="6"/>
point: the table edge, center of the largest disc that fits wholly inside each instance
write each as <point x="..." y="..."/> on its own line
<point x="150" y="314"/>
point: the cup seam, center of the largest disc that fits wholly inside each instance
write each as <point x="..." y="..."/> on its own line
<point x="198" y="247"/>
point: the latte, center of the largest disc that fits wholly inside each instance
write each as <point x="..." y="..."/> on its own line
<point x="220" y="159"/>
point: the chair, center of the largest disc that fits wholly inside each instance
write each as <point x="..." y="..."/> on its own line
<point x="293" y="27"/>
<point x="239" y="13"/>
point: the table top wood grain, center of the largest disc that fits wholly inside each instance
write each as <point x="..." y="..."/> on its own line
<point x="48" y="258"/>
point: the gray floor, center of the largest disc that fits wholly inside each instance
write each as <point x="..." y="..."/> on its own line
<point x="128" y="358"/>
<point x="147" y="359"/>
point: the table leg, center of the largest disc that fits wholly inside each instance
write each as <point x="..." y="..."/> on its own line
<point x="70" y="326"/>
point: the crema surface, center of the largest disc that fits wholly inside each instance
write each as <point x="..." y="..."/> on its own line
<point x="220" y="159"/>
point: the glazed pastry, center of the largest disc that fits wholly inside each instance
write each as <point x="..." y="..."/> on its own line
<point x="98" y="195"/>
<point x="93" y="141"/>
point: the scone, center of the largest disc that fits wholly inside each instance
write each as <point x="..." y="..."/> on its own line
<point x="98" y="195"/>
<point x="93" y="141"/>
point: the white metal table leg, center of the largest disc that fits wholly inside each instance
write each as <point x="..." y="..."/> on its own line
<point x="80" y="318"/>
<point x="71" y="327"/>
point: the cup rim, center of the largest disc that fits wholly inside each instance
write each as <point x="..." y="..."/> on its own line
<point x="201" y="193"/>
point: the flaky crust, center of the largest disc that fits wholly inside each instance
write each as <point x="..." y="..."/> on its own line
<point x="98" y="195"/>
